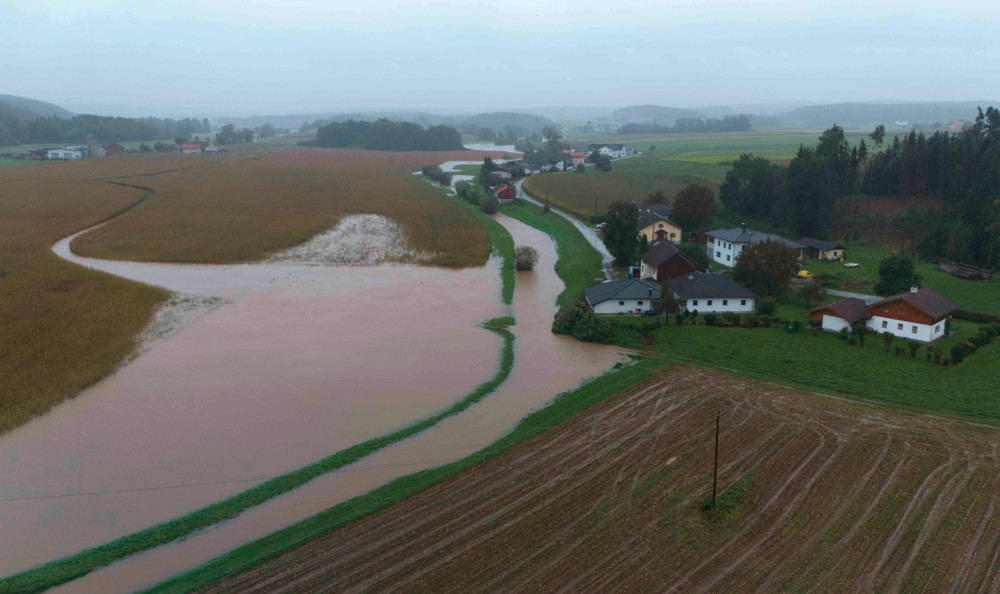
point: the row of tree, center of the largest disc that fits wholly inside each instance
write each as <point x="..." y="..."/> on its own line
<point x="962" y="170"/>
<point x="739" y="123"/>
<point x="75" y="130"/>
<point x="386" y="135"/>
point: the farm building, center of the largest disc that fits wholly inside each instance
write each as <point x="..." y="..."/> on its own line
<point x="68" y="153"/>
<point x="504" y="192"/>
<point x="841" y="314"/>
<point x="712" y="292"/>
<point x="192" y="148"/>
<point x="822" y="250"/>
<point x="967" y="271"/>
<point x="633" y="296"/>
<point x="725" y="245"/>
<point x="656" y="227"/>
<point x="615" y="151"/>
<point x="113" y="148"/>
<point x="664" y="261"/>
<point x="918" y="314"/>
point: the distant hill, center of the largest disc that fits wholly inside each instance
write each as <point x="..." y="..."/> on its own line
<point x="22" y="108"/>
<point x="869" y="115"/>
<point x="296" y="120"/>
<point x="655" y="114"/>
<point x="521" y="124"/>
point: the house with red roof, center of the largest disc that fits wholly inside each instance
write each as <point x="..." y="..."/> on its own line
<point x="918" y="314"/>
<point x="192" y="148"/>
<point x="841" y="314"/>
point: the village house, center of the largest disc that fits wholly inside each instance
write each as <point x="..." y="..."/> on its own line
<point x="541" y="161"/>
<point x="725" y="245"/>
<point x="633" y="296"/>
<point x="918" y="314"/>
<point x="504" y="192"/>
<point x="614" y="151"/>
<point x="68" y="153"/>
<point x="577" y="157"/>
<point x="192" y="148"/>
<point x="656" y="227"/>
<point x="822" y="250"/>
<point x="711" y="292"/>
<point x="664" y="261"/>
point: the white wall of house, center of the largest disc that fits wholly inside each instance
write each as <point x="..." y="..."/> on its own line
<point x="907" y="330"/>
<point x="716" y="305"/>
<point x="66" y="154"/>
<point x="724" y="252"/>
<point x="834" y="323"/>
<point x="647" y="271"/>
<point x="622" y="306"/>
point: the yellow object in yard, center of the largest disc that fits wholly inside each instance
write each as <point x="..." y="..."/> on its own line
<point x="804" y="274"/>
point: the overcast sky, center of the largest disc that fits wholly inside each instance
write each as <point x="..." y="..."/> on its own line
<point x="214" y="58"/>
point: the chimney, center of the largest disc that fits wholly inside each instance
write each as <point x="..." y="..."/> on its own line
<point x="914" y="289"/>
<point x="743" y="227"/>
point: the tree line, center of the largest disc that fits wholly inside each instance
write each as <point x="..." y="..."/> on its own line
<point x="962" y="170"/>
<point x="386" y="135"/>
<point x="739" y="123"/>
<point x="75" y="130"/>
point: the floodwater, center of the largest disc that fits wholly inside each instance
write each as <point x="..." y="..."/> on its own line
<point x="315" y="375"/>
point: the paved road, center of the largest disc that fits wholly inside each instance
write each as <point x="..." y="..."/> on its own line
<point x="589" y="232"/>
<point x="868" y="299"/>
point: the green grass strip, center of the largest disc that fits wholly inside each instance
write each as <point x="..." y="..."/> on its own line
<point x="562" y="407"/>
<point x="503" y="243"/>
<point x="579" y="264"/>
<point x="72" y="567"/>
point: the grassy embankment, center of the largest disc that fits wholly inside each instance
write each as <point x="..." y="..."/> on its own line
<point x="72" y="567"/>
<point x="579" y="264"/>
<point x="563" y="407"/>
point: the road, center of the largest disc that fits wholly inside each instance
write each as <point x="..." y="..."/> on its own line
<point x="868" y="299"/>
<point x="589" y="232"/>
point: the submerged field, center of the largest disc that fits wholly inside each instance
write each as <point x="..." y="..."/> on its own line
<point x="814" y="493"/>
<point x="66" y="327"/>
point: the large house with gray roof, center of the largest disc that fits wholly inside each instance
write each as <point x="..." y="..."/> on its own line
<point x="633" y="296"/>
<point x="725" y="245"/>
<point x="711" y="292"/>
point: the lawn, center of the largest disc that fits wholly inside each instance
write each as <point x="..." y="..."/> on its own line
<point x="579" y="263"/>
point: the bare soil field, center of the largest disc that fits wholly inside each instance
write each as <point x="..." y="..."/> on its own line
<point x="818" y="493"/>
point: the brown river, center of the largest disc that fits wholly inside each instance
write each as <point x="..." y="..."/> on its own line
<point x="304" y="361"/>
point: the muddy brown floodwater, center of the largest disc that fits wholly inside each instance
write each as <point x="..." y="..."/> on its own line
<point x="305" y="361"/>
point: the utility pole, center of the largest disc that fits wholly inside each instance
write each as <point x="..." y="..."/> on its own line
<point x="715" y="467"/>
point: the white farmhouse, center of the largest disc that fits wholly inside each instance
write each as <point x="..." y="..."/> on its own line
<point x="725" y="245"/>
<point x="67" y="153"/>
<point x="712" y="293"/>
<point x="633" y="296"/>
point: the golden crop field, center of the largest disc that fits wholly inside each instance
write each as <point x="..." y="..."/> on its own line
<point x="240" y="211"/>
<point x="66" y="327"/>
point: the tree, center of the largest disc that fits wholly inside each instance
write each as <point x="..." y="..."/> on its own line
<point x="752" y="186"/>
<point x="553" y="138"/>
<point x="766" y="267"/>
<point x="145" y="148"/>
<point x="603" y="163"/>
<point x="579" y="168"/>
<point x="878" y="135"/>
<point x="620" y="235"/>
<point x="267" y="131"/>
<point x="666" y="303"/>
<point x="812" y="291"/>
<point x="657" y="197"/>
<point x="809" y="193"/>
<point x="525" y="257"/>
<point x="896" y="274"/>
<point x="486" y="168"/>
<point x="694" y="206"/>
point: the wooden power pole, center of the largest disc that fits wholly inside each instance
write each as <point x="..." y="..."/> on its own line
<point x="715" y="466"/>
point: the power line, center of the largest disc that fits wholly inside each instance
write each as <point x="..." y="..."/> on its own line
<point x="209" y="483"/>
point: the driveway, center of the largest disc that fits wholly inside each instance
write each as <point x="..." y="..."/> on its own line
<point x="868" y="299"/>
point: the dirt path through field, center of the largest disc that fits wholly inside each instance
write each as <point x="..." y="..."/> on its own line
<point x="838" y="497"/>
<point x="545" y="365"/>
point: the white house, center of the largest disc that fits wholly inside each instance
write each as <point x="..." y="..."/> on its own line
<point x="614" y="151"/>
<point x="68" y="153"/>
<point x="919" y="314"/>
<point x="725" y="245"/>
<point x="712" y="293"/>
<point x="633" y="296"/>
<point x="841" y="314"/>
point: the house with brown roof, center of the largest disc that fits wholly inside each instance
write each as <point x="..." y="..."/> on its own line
<point x="664" y="261"/>
<point x="919" y="314"/>
<point x="712" y="292"/>
<point x="822" y="249"/>
<point x="841" y="314"/>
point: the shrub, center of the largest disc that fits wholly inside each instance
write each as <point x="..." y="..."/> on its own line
<point x="525" y="257"/>
<point x="434" y="172"/>
<point x="985" y="337"/>
<point x="976" y="341"/>
<point x="694" y="316"/>
<point x="851" y="341"/>
<point x="796" y="325"/>
<point x="721" y="322"/>
<point x="766" y="307"/>
<point x="946" y="361"/>
<point x="489" y="205"/>
<point x="957" y="354"/>
<point x="970" y="349"/>
<point x="974" y="316"/>
<point x="578" y="321"/>
<point x="749" y="322"/>
<point x="929" y="356"/>
<point x="937" y="354"/>
<point x="709" y="319"/>
<point x="680" y="319"/>
<point x="914" y="346"/>
<point x="990" y="329"/>
<point x="765" y="320"/>
<point x="843" y="332"/>
<point x="736" y="319"/>
<point x="899" y="350"/>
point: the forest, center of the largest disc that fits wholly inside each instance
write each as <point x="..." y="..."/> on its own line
<point x="740" y="123"/>
<point x="386" y="135"/>
<point x="76" y="129"/>
<point x="960" y="170"/>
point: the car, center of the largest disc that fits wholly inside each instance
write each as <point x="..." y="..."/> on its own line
<point x="804" y="274"/>
<point x="851" y="265"/>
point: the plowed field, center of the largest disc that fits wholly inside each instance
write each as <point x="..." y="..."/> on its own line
<point x="829" y="495"/>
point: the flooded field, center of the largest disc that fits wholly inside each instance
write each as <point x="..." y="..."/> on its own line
<point x="305" y="361"/>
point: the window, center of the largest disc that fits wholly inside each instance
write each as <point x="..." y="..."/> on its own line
<point x="718" y="254"/>
<point x="660" y="226"/>
<point x="914" y="331"/>
<point x="901" y="312"/>
<point x="695" y="302"/>
<point x="885" y="309"/>
<point x="673" y="235"/>
<point x="885" y="324"/>
<point x="710" y="302"/>
<point x="899" y="326"/>
<point x="727" y="257"/>
<point x="937" y="328"/>
<point x="621" y="303"/>
<point x="725" y="302"/>
<point x="743" y="301"/>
